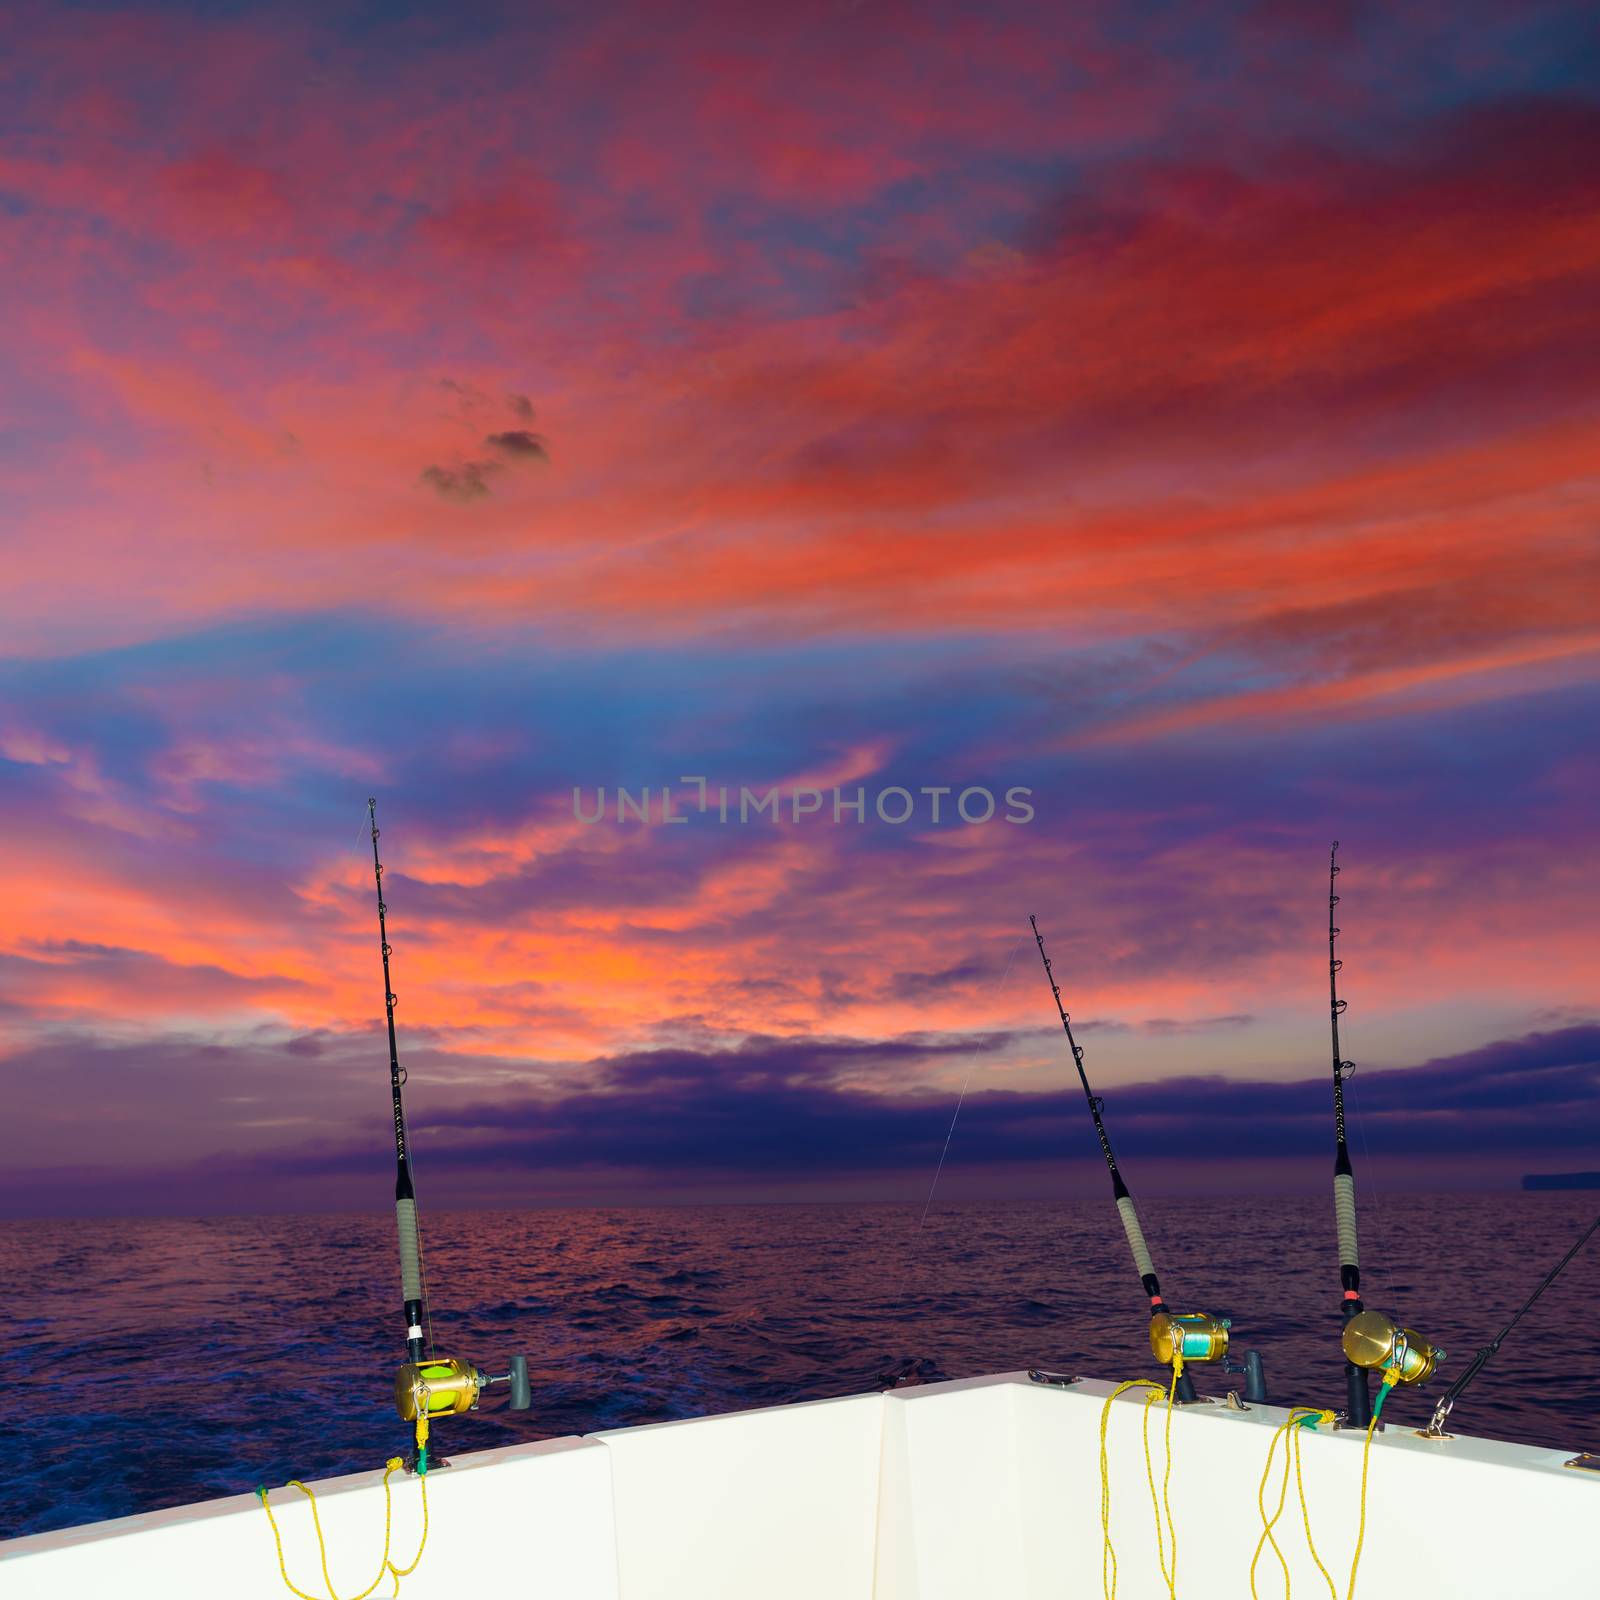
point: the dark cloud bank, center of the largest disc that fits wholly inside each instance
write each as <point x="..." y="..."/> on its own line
<point x="777" y="1106"/>
<point x="780" y="1112"/>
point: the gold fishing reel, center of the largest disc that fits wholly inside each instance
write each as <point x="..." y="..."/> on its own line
<point x="443" y="1387"/>
<point x="1373" y="1340"/>
<point x="446" y="1386"/>
<point x="1194" y="1335"/>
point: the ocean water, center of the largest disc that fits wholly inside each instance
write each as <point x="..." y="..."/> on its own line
<point x="156" y="1362"/>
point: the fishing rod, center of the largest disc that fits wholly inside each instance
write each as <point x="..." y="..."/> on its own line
<point x="427" y="1386"/>
<point x="1441" y="1412"/>
<point x="405" y="1194"/>
<point x="1357" y="1379"/>
<point x="1196" y="1336"/>
<point x="1371" y="1341"/>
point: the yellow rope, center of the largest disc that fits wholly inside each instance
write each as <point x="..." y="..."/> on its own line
<point x="1166" y="1479"/>
<point x="422" y="1543"/>
<point x="1152" y="1395"/>
<point x="1305" y="1513"/>
<point x="1108" y="1554"/>
<point x="1159" y="1503"/>
<point x="1390" y="1378"/>
<point x="1267" y="1523"/>
<point x="1291" y="1427"/>
<point x="385" y="1564"/>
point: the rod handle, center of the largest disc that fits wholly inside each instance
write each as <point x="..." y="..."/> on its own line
<point x="1344" y="1216"/>
<point x="1130" y="1226"/>
<point x="405" y="1216"/>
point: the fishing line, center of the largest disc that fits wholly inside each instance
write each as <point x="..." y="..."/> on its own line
<point x="1377" y="1206"/>
<point x="907" y="1258"/>
<point x="961" y="1098"/>
<point x="427" y="1300"/>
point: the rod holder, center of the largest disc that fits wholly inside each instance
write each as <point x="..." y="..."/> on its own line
<point x="1357" y="1395"/>
<point x="1255" y="1383"/>
<point x="1255" y="1378"/>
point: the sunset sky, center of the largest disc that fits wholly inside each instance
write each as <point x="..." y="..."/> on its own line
<point x="1189" y="414"/>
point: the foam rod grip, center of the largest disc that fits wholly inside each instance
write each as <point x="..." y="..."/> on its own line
<point x="1130" y="1226"/>
<point x="1344" y="1214"/>
<point x="405" y="1216"/>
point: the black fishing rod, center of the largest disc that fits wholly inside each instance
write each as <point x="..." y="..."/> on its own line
<point x="1372" y="1341"/>
<point x="1195" y="1335"/>
<point x="427" y="1386"/>
<point x="405" y="1194"/>
<point x="1447" y="1400"/>
<point x="1357" y="1379"/>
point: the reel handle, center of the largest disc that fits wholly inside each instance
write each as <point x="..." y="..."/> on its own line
<point x="517" y="1378"/>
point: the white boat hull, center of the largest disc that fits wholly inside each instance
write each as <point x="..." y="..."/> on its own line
<point x="983" y="1489"/>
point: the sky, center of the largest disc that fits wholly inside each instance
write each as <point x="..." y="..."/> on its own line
<point x="1174" y="425"/>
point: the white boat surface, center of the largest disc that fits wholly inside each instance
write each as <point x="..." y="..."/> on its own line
<point x="982" y="1489"/>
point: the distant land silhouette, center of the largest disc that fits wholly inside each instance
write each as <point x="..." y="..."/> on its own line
<point x="1561" y="1180"/>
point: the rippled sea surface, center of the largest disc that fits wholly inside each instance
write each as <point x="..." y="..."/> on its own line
<point x="158" y="1362"/>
